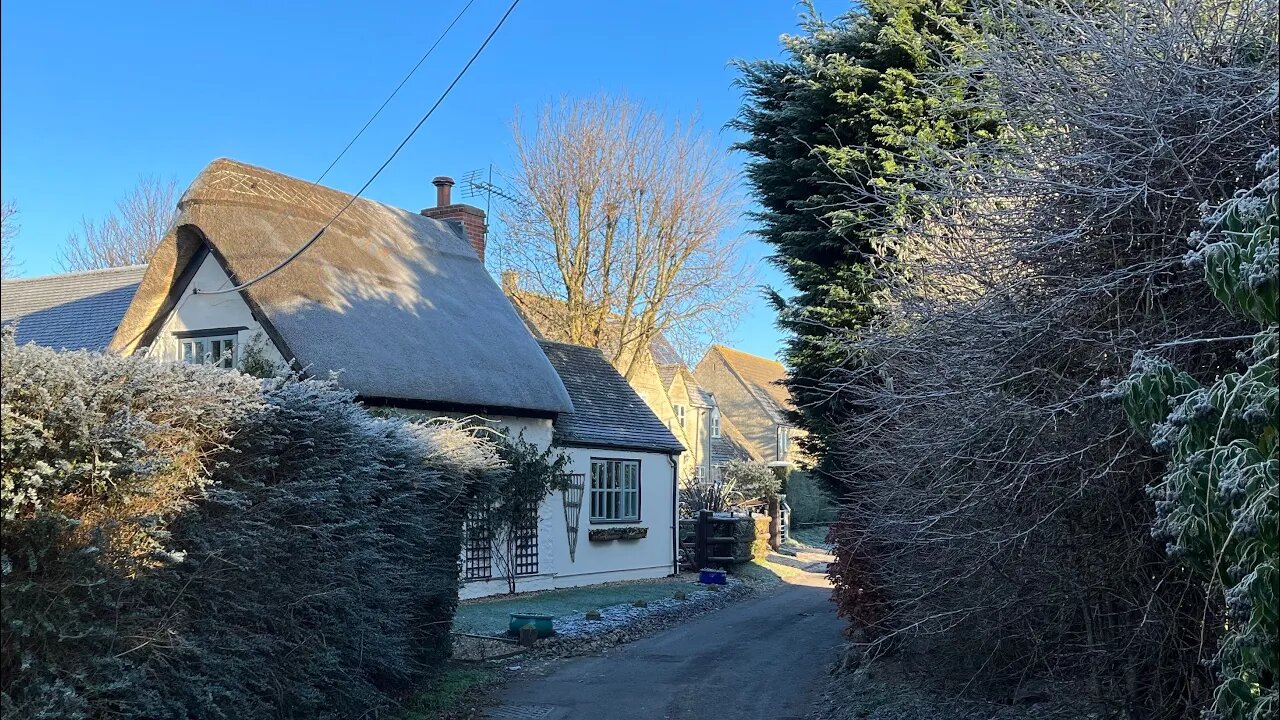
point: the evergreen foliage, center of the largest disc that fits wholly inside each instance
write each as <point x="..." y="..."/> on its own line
<point x="830" y="132"/>
<point x="187" y="542"/>
<point x="1218" y="504"/>
<point x="994" y="525"/>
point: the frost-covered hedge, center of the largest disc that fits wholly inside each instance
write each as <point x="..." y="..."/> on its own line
<point x="1218" y="504"/>
<point x="186" y="542"/>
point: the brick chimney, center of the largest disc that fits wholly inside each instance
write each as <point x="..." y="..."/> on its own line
<point x="467" y="217"/>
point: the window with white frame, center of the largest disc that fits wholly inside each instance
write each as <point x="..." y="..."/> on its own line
<point x="715" y="422"/>
<point x="680" y="413"/>
<point x="615" y="490"/>
<point x="784" y="442"/>
<point x="219" y="350"/>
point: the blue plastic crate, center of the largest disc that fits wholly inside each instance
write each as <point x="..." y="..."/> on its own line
<point x="709" y="576"/>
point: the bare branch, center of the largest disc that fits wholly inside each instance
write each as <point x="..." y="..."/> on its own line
<point x="127" y="236"/>
<point x="625" y="227"/>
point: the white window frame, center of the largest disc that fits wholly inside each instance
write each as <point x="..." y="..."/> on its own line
<point x="784" y="442"/>
<point x="187" y="350"/>
<point x="614" y="492"/>
<point x="681" y="410"/>
<point x="715" y="422"/>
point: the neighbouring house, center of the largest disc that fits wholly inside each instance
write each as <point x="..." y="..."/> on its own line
<point x="399" y="308"/>
<point x="660" y="376"/>
<point x="752" y="396"/>
<point x="71" y="311"/>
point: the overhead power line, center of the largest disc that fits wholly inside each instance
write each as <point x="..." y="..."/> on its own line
<point x="383" y="166"/>
<point x="390" y="97"/>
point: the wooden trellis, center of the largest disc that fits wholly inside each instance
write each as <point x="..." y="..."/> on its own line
<point x="526" y="542"/>
<point x="477" y="546"/>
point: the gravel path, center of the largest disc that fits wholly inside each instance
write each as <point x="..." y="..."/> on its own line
<point x="618" y="617"/>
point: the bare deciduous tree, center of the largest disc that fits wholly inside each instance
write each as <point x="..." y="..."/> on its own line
<point x="624" y="223"/>
<point x="9" y="229"/>
<point x="127" y="236"/>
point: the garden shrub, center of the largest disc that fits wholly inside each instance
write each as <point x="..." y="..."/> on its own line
<point x="187" y="542"/>
<point x="809" y="501"/>
<point x="1218" y="503"/>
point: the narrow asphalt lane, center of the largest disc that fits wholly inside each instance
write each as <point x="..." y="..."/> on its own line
<point x="762" y="658"/>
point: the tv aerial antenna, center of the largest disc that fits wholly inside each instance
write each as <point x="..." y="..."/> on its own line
<point x="480" y="182"/>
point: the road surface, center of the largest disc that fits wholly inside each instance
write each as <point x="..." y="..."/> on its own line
<point x="761" y="658"/>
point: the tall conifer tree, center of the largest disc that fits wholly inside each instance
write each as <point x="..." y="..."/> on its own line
<point x="831" y="133"/>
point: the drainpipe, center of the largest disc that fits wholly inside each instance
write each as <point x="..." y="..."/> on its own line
<point x="675" y="513"/>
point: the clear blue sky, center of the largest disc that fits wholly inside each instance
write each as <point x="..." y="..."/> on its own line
<point x="94" y="95"/>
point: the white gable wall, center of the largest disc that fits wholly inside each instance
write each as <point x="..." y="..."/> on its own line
<point x="207" y="312"/>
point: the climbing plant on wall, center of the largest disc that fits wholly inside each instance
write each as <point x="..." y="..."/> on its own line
<point x="1217" y="504"/>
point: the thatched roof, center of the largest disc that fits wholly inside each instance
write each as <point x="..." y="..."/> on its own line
<point x="607" y="412"/>
<point x="71" y="311"/>
<point x="397" y="303"/>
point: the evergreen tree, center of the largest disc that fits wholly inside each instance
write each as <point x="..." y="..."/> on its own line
<point x="833" y="132"/>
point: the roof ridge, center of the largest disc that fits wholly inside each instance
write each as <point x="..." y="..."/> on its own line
<point x="750" y="355"/>
<point x="77" y="273"/>
<point x="543" y="341"/>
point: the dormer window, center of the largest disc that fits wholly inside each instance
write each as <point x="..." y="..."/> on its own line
<point x="784" y="442"/>
<point x="680" y="414"/>
<point x="208" y="347"/>
<point x="715" y="422"/>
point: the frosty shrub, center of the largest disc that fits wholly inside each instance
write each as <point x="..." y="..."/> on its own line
<point x="994" y="510"/>
<point x="735" y="483"/>
<point x="186" y="542"/>
<point x="809" y="501"/>
<point x="1218" y="504"/>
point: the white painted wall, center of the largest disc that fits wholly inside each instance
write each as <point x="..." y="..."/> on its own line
<point x="202" y="312"/>
<point x="597" y="562"/>
<point x="593" y="563"/>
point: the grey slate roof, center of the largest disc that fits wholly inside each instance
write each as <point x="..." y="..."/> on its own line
<point x="668" y="373"/>
<point x="73" y="311"/>
<point x="607" y="412"/>
<point x="397" y="303"/>
<point x="664" y="353"/>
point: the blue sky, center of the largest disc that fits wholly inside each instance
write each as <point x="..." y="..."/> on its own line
<point x="95" y="95"/>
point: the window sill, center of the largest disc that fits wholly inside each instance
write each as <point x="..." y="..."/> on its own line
<point x="618" y="533"/>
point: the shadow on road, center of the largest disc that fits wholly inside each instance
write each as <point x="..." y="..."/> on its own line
<point x="762" y="658"/>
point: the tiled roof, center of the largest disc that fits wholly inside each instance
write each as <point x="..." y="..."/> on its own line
<point x="730" y="445"/>
<point x="696" y="392"/>
<point x="668" y="373"/>
<point x="73" y="311"/>
<point x="664" y="353"/>
<point x="763" y="378"/>
<point x="607" y="412"/>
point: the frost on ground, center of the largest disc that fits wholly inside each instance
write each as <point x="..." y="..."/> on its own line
<point x="890" y="690"/>
<point x="619" y="617"/>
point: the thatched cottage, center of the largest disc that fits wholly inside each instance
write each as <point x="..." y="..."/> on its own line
<point x="399" y="306"/>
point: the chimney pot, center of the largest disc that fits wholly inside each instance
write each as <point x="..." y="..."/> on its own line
<point x="444" y="186"/>
<point x="467" y="220"/>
